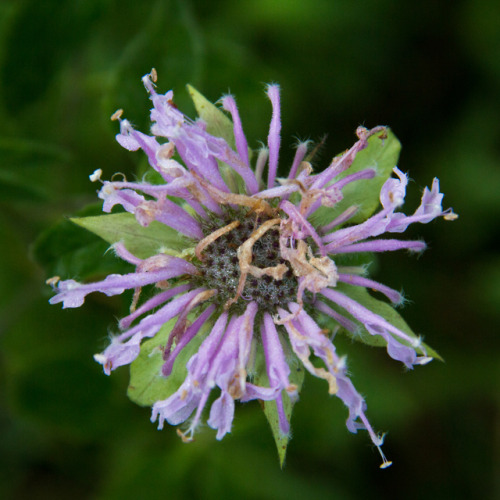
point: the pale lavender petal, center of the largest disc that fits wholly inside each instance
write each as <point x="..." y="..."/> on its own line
<point x="72" y="294"/>
<point x="278" y="371"/>
<point x="278" y="191"/>
<point x="175" y="409"/>
<point x="341" y="320"/>
<point x="188" y="335"/>
<point x="153" y="302"/>
<point x="257" y="392"/>
<point x="374" y="226"/>
<point x="307" y="334"/>
<point x="393" y="295"/>
<point x="304" y="335"/>
<point x="294" y="214"/>
<point x="199" y="364"/>
<point x="156" y="320"/>
<point x="431" y="204"/>
<point x="221" y="415"/>
<point x="335" y="190"/>
<point x="274" y="138"/>
<point x="116" y="193"/>
<point x="194" y="391"/>
<point x="261" y="163"/>
<point x="122" y="252"/>
<point x="127" y="198"/>
<point x="430" y="208"/>
<point x="321" y="345"/>
<point x="131" y="139"/>
<point x="284" y="424"/>
<point x="393" y="192"/>
<point x="195" y="147"/>
<point x="229" y="104"/>
<point x="341" y="219"/>
<point x="126" y="138"/>
<point x="363" y="174"/>
<point x="170" y="214"/>
<point x="400" y="346"/>
<point x="119" y="354"/>
<point x="343" y="162"/>
<point x="225" y="361"/>
<point x="391" y="196"/>
<point x="125" y="348"/>
<point x="378" y="246"/>
<point x="245" y="341"/>
<point x="198" y="148"/>
<point x="300" y="152"/>
<point x="201" y="368"/>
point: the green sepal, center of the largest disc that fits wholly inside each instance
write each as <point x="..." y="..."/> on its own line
<point x="143" y="242"/>
<point x="218" y="125"/>
<point x="147" y="384"/>
<point x="270" y="408"/>
<point x="382" y="156"/>
<point x="380" y="307"/>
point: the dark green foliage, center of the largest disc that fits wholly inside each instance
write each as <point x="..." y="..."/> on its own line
<point x="429" y="70"/>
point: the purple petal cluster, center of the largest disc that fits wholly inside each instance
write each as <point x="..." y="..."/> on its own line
<point x="197" y="189"/>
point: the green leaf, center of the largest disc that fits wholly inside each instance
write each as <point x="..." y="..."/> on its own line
<point x="141" y="241"/>
<point x="147" y="384"/>
<point x="383" y="309"/>
<point x="270" y="408"/>
<point x="65" y="250"/>
<point x="382" y="156"/>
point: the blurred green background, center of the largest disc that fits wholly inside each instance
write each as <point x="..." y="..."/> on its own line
<point x="429" y="69"/>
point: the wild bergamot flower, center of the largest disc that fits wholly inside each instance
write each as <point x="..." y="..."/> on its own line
<point x="250" y="265"/>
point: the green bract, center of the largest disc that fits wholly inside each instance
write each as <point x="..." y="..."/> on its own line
<point x="381" y="156"/>
<point x="141" y="241"/>
<point x="147" y="385"/>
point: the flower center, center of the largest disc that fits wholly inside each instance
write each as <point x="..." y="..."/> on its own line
<point x="221" y="268"/>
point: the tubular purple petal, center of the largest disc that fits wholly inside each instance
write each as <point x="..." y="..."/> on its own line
<point x="393" y="295"/>
<point x="152" y="303"/>
<point x="399" y="344"/>
<point x="378" y="246"/>
<point x="344" y="161"/>
<point x="300" y="152"/>
<point x="274" y="138"/>
<point x="341" y="320"/>
<point x="278" y="370"/>
<point x="122" y="252"/>
<point x="364" y="174"/>
<point x="72" y="294"/>
<point x="341" y="219"/>
<point x="189" y="334"/>
<point x="229" y="104"/>
<point x="221" y="415"/>
<point x="156" y="320"/>
<point x="306" y="226"/>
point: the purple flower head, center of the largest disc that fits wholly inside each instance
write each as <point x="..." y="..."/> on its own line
<point x="260" y="261"/>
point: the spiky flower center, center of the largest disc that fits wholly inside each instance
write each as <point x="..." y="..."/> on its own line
<point x="221" y="264"/>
